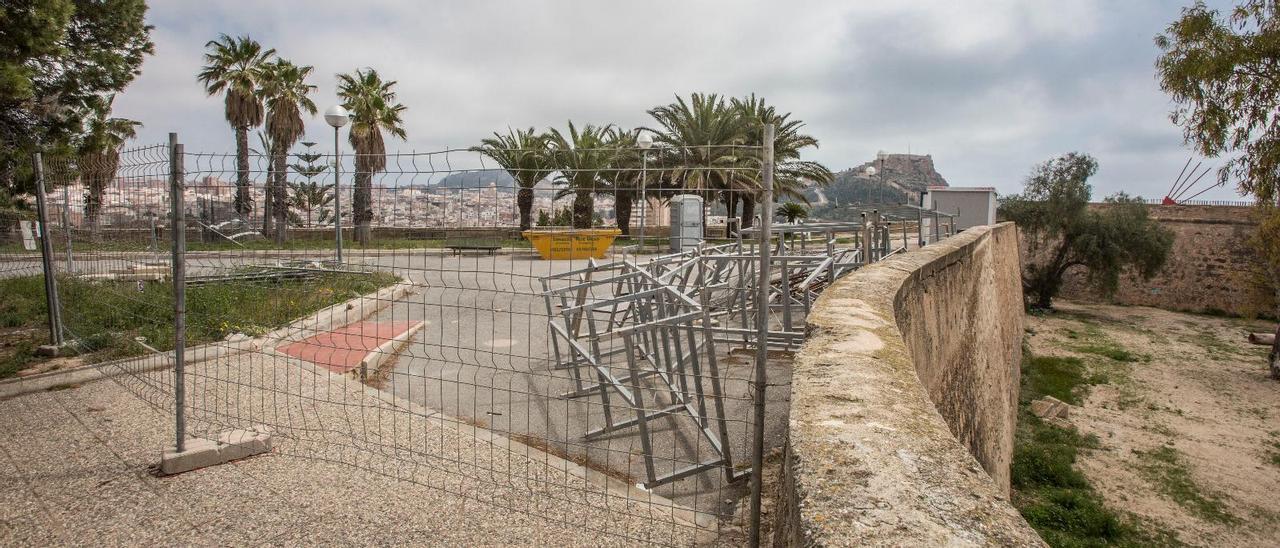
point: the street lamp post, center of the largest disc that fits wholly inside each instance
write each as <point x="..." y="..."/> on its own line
<point x="337" y="117"/>
<point x="646" y="142"/>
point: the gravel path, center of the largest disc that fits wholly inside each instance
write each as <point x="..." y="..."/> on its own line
<point x="350" y="466"/>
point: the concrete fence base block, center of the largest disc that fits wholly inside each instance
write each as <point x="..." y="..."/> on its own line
<point x="226" y="447"/>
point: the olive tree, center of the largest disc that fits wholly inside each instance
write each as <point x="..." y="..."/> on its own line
<point x="1063" y="233"/>
<point x="1221" y="72"/>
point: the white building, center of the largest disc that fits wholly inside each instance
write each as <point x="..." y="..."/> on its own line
<point x="975" y="206"/>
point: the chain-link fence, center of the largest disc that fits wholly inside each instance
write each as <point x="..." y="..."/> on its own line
<point x="611" y="326"/>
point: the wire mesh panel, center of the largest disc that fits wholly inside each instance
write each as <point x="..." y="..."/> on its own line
<point x="455" y="367"/>
<point x="584" y="329"/>
<point x="108" y="243"/>
<point x="19" y="240"/>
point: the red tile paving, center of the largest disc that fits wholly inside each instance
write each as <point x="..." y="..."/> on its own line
<point x="343" y="349"/>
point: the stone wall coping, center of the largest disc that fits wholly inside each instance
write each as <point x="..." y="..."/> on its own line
<point x="869" y="459"/>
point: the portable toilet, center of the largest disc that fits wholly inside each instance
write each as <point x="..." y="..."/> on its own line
<point x="686" y="222"/>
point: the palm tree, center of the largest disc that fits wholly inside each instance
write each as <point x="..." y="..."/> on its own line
<point x="790" y="172"/>
<point x="580" y="158"/>
<point x="524" y="154"/>
<point x="707" y="135"/>
<point x="373" y="109"/>
<point x="99" y="153"/>
<point x="234" y="66"/>
<point x="623" y="181"/>
<point x="284" y="90"/>
<point x="261" y="156"/>
<point x="792" y="211"/>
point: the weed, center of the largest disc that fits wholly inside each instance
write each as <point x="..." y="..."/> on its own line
<point x="20" y="353"/>
<point x="1167" y="470"/>
<point x="1160" y="428"/>
<point x="1053" y="496"/>
<point x="1092" y="340"/>
<point x="1053" y="376"/>
<point x="1214" y="347"/>
<point x="1112" y="350"/>
<point x="108" y="316"/>
<point x="1273" y="453"/>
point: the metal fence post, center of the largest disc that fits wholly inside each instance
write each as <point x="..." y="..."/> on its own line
<point x="920" y="227"/>
<point x="46" y="254"/>
<point x="936" y="224"/>
<point x="762" y="333"/>
<point x="337" y="195"/>
<point x="179" y="234"/>
<point x="66" y="223"/>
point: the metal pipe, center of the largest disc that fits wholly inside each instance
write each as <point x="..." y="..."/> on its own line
<point x="66" y="223"/>
<point x="46" y="254"/>
<point x="337" y="194"/>
<point x="644" y="177"/>
<point x="762" y="333"/>
<point x="179" y="230"/>
<point x="935" y="223"/>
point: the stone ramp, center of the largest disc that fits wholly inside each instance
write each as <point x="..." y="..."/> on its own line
<point x="350" y="467"/>
<point x="343" y="349"/>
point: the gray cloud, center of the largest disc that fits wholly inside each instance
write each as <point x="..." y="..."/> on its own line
<point x="988" y="88"/>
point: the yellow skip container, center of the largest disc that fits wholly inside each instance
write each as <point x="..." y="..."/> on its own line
<point x="571" y="243"/>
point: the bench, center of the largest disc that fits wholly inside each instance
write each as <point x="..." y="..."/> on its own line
<point x="458" y="243"/>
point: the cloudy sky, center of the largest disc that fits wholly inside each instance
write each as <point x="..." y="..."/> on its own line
<point x="988" y="88"/>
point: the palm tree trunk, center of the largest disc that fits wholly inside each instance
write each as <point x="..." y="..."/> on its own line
<point x="622" y="211"/>
<point x="748" y="211"/>
<point x="280" y="198"/>
<point x="524" y="201"/>
<point x="268" y="194"/>
<point x="93" y="203"/>
<point x="362" y="207"/>
<point x="583" y="209"/>
<point x="244" y="199"/>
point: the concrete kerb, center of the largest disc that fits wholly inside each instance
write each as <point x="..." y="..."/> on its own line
<point x="682" y="515"/>
<point x="387" y="350"/>
<point x="328" y="318"/>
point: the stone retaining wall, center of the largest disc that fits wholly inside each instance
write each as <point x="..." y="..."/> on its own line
<point x="904" y="402"/>
<point x="1210" y="269"/>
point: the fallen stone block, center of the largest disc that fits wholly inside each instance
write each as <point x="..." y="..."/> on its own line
<point x="1050" y="407"/>
<point x="225" y="447"/>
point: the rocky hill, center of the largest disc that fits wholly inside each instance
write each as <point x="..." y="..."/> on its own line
<point x="898" y="178"/>
<point x="908" y="172"/>
<point x="479" y="179"/>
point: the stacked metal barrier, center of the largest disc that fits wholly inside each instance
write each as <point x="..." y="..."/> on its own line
<point x="644" y="336"/>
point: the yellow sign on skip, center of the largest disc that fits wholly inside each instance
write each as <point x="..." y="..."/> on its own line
<point x="581" y="243"/>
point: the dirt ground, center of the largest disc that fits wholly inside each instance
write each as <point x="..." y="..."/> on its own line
<point x="1187" y="420"/>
